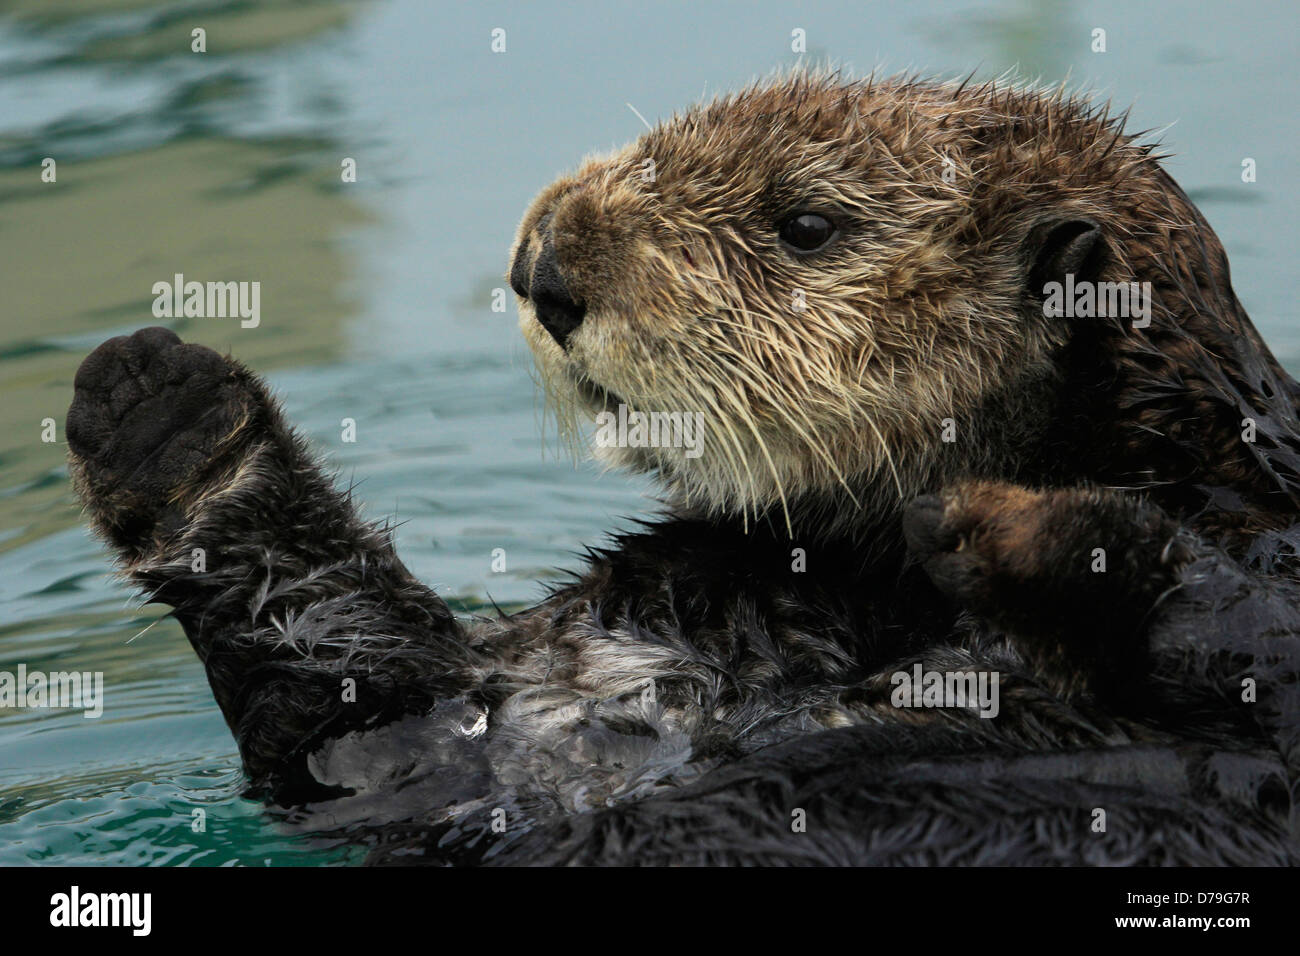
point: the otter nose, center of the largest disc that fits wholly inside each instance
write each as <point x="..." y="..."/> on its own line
<point x="556" y="308"/>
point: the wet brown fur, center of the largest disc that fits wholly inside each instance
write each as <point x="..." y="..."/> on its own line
<point x="691" y="681"/>
<point x="918" y="313"/>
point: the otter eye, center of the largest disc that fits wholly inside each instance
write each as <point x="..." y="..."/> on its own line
<point x="806" y="231"/>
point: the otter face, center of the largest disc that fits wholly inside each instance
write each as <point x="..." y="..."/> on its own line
<point x="804" y="265"/>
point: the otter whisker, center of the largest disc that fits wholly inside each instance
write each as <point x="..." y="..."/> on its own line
<point x="813" y="444"/>
<point x="740" y="457"/>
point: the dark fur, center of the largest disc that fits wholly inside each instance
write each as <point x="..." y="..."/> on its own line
<point x="771" y="691"/>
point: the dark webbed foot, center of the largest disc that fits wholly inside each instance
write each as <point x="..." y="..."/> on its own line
<point x="153" y="422"/>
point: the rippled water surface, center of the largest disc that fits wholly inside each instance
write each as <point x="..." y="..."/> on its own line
<point x="377" y="296"/>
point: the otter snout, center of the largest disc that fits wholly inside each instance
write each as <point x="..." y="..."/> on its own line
<point x="535" y="275"/>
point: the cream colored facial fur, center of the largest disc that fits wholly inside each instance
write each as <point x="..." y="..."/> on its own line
<point x="830" y="374"/>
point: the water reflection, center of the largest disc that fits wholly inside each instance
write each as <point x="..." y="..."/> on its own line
<point x="165" y="163"/>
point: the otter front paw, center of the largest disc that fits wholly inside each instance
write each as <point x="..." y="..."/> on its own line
<point x="978" y="539"/>
<point x="1073" y="573"/>
<point x="1004" y="549"/>
<point x="152" y="424"/>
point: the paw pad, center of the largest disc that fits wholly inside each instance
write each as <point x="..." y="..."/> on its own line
<point x="149" y="414"/>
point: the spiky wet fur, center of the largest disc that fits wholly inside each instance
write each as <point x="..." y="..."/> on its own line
<point x="694" y="685"/>
<point x="916" y="314"/>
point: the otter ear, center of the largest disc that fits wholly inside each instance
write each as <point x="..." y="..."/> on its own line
<point x="1060" y="247"/>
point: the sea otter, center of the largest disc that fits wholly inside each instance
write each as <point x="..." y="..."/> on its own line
<point x="909" y="466"/>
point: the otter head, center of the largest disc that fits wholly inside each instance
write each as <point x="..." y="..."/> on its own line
<point x="845" y="282"/>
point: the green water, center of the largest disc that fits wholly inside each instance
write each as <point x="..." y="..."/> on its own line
<point x="377" y="295"/>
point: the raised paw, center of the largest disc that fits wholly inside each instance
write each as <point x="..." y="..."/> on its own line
<point x="153" y="420"/>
